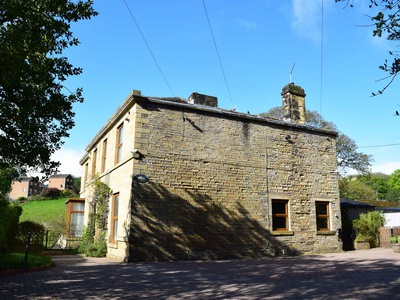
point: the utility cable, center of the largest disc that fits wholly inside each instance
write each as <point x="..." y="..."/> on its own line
<point x="219" y="57"/>
<point x="378" y="146"/>
<point x="322" y="55"/>
<point x="148" y="47"/>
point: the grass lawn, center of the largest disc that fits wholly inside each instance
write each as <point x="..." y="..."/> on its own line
<point x="15" y="260"/>
<point x="43" y="211"/>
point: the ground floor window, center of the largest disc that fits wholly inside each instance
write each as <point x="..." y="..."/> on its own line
<point x="114" y="218"/>
<point x="280" y="215"/>
<point x="75" y="215"/>
<point x="322" y="215"/>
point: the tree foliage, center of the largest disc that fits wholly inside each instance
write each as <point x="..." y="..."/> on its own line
<point x="352" y="188"/>
<point x="6" y="176"/>
<point x="386" y="24"/>
<point x="9" y="218"/>
<point x="349" y="157"/>
<point x="346" y="148"/>
<point x="394" y="186"/>
<point x="35" y="107"/>
<point x="378" y="182"/>
<point x="371" y="186"/>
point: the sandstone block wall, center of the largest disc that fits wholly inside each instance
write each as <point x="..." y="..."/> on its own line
<point x="212" y="180"/>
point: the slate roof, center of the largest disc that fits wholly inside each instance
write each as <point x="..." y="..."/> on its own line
<point x="60" y="176"/>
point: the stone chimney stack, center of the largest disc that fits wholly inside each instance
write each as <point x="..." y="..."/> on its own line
<point x="294" y="106"/>
<point x="196" y="98"/>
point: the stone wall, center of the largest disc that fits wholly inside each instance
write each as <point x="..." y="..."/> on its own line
<point x="385" y="233"/>
<point x="212" y="179"/>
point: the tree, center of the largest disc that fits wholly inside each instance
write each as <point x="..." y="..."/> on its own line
<point x="346" y="148"/>
<point x="77" y="185"/>
<point x="386" y="24"/>
<point x="394" y="186"/>
<point x="378" y="182"/>
<point x="6" y="176"/>
<point x="350" y="187"/>
<point x="313" y="118"/>
<point x="35" y="107"/>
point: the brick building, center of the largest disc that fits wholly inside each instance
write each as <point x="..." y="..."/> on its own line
<point x="25" y="187"/>
<point x="61" y="182"/>
<point x="190" y="180"/>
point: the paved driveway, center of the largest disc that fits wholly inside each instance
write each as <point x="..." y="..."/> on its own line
<point x="367" y="274"/>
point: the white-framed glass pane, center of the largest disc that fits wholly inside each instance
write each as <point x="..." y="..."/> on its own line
<point x="76" y="226"/>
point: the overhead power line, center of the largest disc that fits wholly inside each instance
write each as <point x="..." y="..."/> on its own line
<point x="148" y="47"/>
<point x="322" y="55"/>
<point x="377" y="146"/>
<point x="219" y="57"/>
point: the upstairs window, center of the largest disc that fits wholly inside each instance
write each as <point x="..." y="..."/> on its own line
<point x="94" y="162"/>
<point x="104" y="156"/>
<point x="86" y="171"/>
<point x="280" y="215"/>
<point x="322" y="215"/>
<point x="118" y="150"/>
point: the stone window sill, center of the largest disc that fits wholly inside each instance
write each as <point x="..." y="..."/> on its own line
<point x="329" y="232"/>
<point x="113" y="245"/>
<point x="282" y="233"/>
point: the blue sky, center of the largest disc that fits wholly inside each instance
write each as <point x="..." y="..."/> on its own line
<point x="336" y="62"/>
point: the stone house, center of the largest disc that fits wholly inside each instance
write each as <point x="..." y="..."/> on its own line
<point x="24" y="187"/>
<point x="190" y="180"/>
<point x="61" y="182"/>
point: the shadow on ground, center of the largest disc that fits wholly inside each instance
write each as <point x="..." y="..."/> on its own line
<point x="323" y="277"/>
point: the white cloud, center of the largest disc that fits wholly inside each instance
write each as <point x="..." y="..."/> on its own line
<point x="386" y="168"/>
<point x="248" y="24"/>
<point x="306" y="20"/>
<point x="69" y="159"/>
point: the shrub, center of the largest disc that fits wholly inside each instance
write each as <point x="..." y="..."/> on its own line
<point x="88" y="235"/>
<point x="36" y="198"/>
<point x="394" y="239"/>
<point x="367" y="227"/>
<point x="9" y="218"/>
<point x="89" y="245"/>
<point x="98" y="248"/>
<point x="21" y="199"/>
<point x="68" y="194"/>
<point x="51" y="193"/>
<point x="33" y="230"/>
<point x="93" y="245"/>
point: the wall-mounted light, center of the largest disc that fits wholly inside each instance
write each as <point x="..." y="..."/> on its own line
<point x="136" y="153"/>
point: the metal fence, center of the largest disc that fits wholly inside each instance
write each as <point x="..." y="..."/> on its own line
<point x="50" y="238"/>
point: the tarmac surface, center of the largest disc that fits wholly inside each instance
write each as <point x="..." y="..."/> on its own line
<point x="365" y="274"/>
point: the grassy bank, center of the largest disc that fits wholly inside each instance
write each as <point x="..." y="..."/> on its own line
<point x="43" y="211"/>
<point x="15" y="260"/>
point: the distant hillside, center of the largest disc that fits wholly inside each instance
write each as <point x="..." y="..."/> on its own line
<point x="43" y="211"/>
